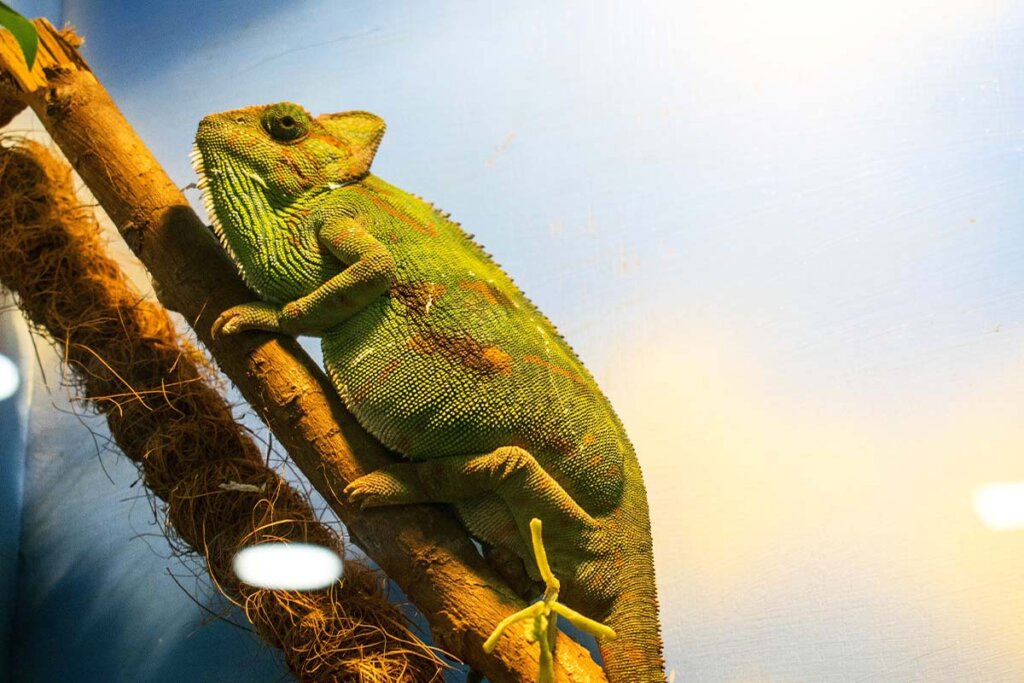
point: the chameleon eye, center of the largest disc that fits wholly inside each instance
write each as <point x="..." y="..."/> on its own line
<point x="286" y="122"/>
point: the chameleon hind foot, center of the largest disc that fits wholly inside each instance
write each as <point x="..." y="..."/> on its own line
<point x="509" y="472"/>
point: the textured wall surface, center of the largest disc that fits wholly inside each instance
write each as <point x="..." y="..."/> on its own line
<point x="784" y="236"/>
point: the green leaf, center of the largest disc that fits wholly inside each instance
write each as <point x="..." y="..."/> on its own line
<point x="24" y="32"/>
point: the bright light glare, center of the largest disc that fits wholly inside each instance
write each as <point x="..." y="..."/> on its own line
<point x="9" y="378"/>
<point x="288" y="566"/>
<point x="1001" y="506"/>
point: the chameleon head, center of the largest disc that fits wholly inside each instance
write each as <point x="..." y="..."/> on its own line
<point x="284" y="150"/>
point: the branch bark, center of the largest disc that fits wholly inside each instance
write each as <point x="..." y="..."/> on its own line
<point x="423" y="548"/>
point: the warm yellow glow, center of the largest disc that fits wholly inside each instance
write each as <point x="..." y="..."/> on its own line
<point x="1001" y="505"/>
<point x="759" y="479"/>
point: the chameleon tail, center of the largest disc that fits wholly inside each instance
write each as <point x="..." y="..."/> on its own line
<point x="635" y="654"/>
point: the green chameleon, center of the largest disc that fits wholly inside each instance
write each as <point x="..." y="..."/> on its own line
<point x="438" y="354"/>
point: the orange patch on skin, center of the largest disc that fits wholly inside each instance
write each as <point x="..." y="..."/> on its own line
<point x="400" y="216"/>
<point x="420" y="345"/>
<point x="464" y="350"/>
<point x="491" y="294"/>
<point x="562" y="445"/>
<point x="589" y="439"/>
<point x="382" y="377"/>
<point x="537" y="360"/>
<point x="499" y="359"/>
<point x="481" y="288"/>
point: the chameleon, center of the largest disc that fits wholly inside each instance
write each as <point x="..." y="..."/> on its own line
<point x="439" y="355"/>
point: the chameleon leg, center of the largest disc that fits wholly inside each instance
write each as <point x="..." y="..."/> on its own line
<point x="510" y="473"/>
<point x="370" y="272"/>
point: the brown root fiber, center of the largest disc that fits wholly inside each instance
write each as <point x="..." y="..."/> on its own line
<point x="127" y="361"/>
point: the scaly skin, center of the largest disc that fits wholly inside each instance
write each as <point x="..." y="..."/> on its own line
<point x="439" y="355"/>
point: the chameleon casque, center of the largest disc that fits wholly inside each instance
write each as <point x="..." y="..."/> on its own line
<point x="439" y="355"/>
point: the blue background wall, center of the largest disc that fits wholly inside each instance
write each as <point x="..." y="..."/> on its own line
<point x="13" y="426"/>
<point x="784" y="237"/>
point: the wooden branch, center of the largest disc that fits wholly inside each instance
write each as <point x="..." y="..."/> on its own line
<point x="423" y="548"/>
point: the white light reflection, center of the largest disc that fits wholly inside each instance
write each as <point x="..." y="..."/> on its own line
<point x="9" y="377"/>
<point x="1001" y="505"/>
<point x="288" y="566"/>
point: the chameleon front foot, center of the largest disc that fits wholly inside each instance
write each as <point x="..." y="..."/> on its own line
<point x="255" y="315"/>
<point x="393" y="485"/>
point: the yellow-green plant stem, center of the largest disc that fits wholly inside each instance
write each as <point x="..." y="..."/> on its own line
<point x="543" y="614"/>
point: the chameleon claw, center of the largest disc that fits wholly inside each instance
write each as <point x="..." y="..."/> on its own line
<point x="256" y="315"/>
<point x="228" y="322"/>
<point x="393" y="485"/>
<point x="357" y="493"/>
<point x="352" y="492"/>
<point x="222" y="327"/>
<point x="218" y="325"/>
